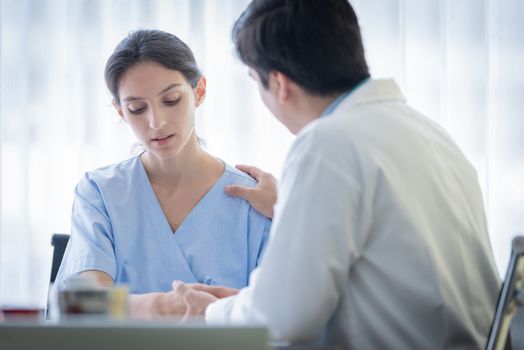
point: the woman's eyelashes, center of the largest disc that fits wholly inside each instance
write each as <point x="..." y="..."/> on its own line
<point x="171" y="102"/>
<point x="138" y="109"/>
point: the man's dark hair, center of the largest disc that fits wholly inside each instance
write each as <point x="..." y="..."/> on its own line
<point x="316" y="43"/>
<point x="150" y="45"/>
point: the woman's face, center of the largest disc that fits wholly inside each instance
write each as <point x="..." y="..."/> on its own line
<point x="159" y="105"/>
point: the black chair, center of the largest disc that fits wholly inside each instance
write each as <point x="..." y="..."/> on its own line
<point x="59" y="243"/>
<point x="510" y="298"/>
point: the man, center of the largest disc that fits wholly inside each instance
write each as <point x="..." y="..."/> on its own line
<point x="379" y="235"/>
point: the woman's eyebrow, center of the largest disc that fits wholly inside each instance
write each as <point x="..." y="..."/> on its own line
<point x="169" y="87"/>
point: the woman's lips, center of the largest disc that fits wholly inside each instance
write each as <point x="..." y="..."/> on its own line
<point x="160" y="141"/>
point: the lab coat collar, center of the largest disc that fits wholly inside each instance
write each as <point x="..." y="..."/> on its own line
<point x="374" y="91"/>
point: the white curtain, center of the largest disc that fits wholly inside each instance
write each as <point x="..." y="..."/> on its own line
<point x="460" y="63"/>
<point x="457" y="61"/>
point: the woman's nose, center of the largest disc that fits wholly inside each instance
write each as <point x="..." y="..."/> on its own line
<point x="157" y="119"/>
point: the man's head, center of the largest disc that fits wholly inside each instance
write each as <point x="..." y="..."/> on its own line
<point x="315" y="43"/>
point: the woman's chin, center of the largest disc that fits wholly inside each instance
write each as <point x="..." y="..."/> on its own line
<point x="164" y="153"/>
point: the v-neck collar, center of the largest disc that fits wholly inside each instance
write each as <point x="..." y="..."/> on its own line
<point x="157" y="208"/>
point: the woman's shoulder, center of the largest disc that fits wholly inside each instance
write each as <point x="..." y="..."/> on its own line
<point x="238" y="177"/>
<point x="113" y="175"/>
<point x="233" y="176"/>
<point x="114" y="170"/>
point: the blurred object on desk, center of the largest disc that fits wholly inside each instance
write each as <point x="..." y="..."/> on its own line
<point x="21" y="314"/>
<point x="81" y="296"/>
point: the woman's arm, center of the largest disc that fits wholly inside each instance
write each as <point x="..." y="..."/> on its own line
<point x="100" y="277"/>
<point x="148" y="305"/>
<point x="155" y="305"/>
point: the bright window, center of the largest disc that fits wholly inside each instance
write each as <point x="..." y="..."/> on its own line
<point x="457" y="62"/>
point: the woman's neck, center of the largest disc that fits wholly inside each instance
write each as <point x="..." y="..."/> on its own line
<point x="192" y="167"/>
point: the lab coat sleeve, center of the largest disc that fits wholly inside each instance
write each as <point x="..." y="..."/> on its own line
<point x="91" y="243"/>
<point x="311" y="247"/>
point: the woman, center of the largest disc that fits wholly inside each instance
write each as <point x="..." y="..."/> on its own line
<point x="162" y="215"/>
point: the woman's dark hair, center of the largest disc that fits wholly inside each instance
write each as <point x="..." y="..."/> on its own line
<point x="150" y="45"/>
<point x="316" y="43"/>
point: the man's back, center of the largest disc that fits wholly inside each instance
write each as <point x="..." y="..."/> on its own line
<point x="423" y="276"/>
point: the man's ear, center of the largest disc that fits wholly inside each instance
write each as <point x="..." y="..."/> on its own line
<point x="118" y="109"/>
<point x="200" y="91"/>
<point x="282" y="85"/>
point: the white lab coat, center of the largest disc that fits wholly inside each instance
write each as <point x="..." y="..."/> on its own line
<point x="379" y="239"/>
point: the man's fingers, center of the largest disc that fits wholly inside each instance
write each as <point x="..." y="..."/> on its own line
<point x="186" y="290"/>
<point x="217" y="291"/>
<point x="253" y="171"/>
<point x="197" y="301"/>
<point x="239" y="191"/>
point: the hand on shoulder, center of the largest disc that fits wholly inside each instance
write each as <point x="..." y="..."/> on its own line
<point x="263" y="196"/>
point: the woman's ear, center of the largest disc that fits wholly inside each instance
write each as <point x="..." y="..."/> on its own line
<point x="118" y="109"/>
<point x="200" y="91"/>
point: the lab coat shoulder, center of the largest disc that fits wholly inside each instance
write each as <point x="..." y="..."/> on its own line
<point x="328" y="142"/>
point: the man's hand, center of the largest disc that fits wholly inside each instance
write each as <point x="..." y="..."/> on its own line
<point x="262" y="197"/>
<point x="218" y="291"/>
<point x="196" y="301"/>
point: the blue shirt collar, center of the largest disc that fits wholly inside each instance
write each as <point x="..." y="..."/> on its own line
<point x="333" y="105"/>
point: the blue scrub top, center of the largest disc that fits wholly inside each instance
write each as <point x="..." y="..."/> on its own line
<point x="118" y="227"/>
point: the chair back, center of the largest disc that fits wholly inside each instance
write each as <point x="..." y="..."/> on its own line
<point x="59" y="243"/>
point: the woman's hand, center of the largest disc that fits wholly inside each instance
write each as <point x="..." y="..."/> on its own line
<point x="263" y="196"/>
<point x="156" y="305"/>
<point x="184" y="300"/>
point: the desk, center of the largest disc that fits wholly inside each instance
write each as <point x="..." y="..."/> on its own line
<point x="129" y="336"/>
<point x="99" y="335"/>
